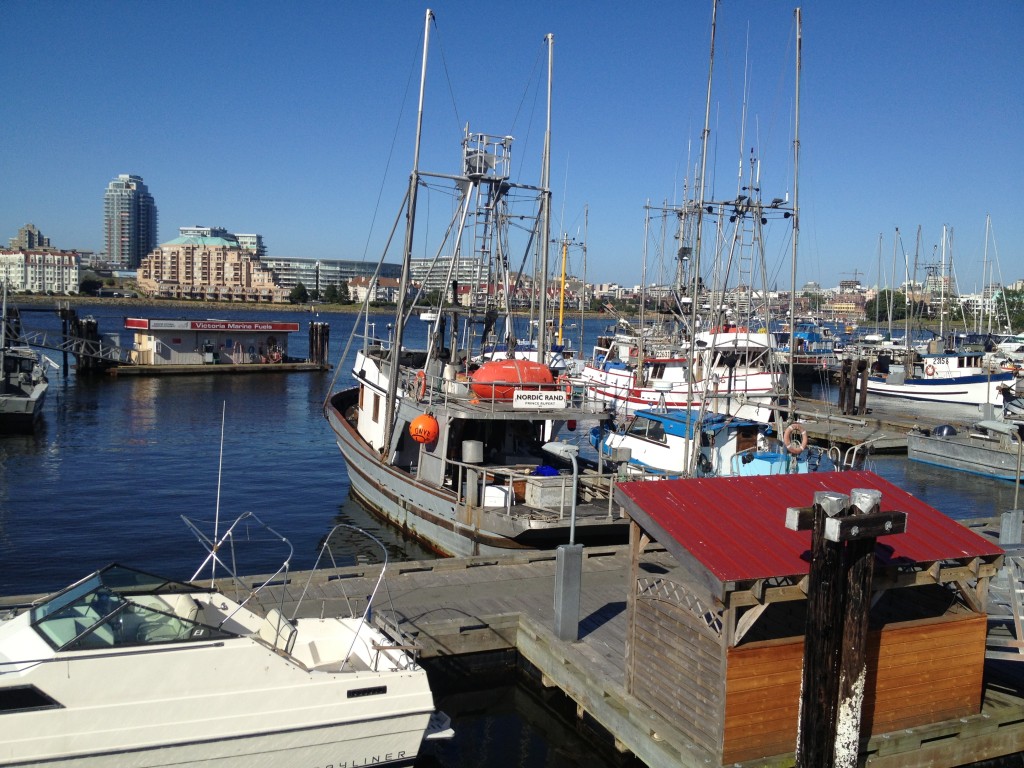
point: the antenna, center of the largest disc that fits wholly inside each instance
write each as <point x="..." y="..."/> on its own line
<point x="216" y="513"/>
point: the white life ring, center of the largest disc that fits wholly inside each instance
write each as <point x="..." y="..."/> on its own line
<point x="787" y="438"/>
<point x="929" y="370"/>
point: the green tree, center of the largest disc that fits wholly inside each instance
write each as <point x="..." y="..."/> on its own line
<point x="90" y="284"/>
<point x="331" y="294"/>
<point x="879" y="306"/>
<point x="344" y="295"/>
<point x="1014" y="307"/>
<point x="299" y="294"/>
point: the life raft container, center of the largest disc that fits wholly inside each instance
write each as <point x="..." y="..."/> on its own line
<point x="499" y="379"/>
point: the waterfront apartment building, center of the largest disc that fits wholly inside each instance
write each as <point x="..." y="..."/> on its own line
<point x="432" y="275"/>
<point x="211" y="266"/>
<point x="39" y="271"/>
<point x="316" y="275"/>
<point x="129" y="221"/>
<point x="30" y="239"/>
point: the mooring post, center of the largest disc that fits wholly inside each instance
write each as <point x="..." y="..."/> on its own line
<point x="819" y="685"/>
<point x="862" y="402"/>
<point x="834" y="679"/>
<point x="859" y="567"/>
<point x="844" y="374"/>
<point x="851" y="390"/>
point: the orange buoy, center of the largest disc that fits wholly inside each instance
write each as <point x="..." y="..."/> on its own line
<point x="424" y="429"/>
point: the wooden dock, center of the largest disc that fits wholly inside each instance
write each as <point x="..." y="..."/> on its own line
<point x="461" y="606"/>
<point x="879" y="430"/>
<point x="455" y="607"/>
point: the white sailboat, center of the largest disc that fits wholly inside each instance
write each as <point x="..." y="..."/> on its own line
<point x="23" y="381"/>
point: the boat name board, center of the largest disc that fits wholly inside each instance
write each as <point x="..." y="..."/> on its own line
<point x="236" y="326"/>
<point x="544" y="399"/>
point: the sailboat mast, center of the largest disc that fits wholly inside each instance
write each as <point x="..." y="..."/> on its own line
<point x="791" y="393"/>
<point x="545" y="234"/>
<point x="410" y="222"/>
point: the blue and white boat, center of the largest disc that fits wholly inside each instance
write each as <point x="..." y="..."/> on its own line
<point x="692" y="443"/>
<point x="811" y="345"/>
<point x="944" y="377"/>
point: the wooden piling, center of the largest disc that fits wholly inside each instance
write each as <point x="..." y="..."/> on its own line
<point x="819" y="686"/>
<point x="862" y="370"/>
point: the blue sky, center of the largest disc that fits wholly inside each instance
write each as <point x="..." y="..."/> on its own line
<point x="295" y="120"/>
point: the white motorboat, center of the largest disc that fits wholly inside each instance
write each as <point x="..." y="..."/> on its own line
<point x="23" y="381"/>
<point x="128" y="669"/>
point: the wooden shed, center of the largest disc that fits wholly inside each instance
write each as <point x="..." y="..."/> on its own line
<point x="716" y="644"/>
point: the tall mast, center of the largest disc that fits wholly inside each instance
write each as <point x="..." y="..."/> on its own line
<point x="690" y="457"/>
<point x="942" y="289"/>
<point x="545" y="234"/>
<point x="410" y="222"/>
<point x="791" y="393"/>
<point x="984" y="276"/>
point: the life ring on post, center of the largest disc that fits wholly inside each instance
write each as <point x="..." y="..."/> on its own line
<point x="792" y="446"/>
<point x="421" y="384"/>
<point x="929" y="370"/>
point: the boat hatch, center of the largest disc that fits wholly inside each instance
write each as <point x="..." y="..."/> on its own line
<point x="119" y="607"/>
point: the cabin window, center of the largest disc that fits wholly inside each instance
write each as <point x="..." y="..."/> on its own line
<point x="376" y="407"/>
<point x="648" y="429"/>
<point x="25" y="698"/>
<point x="746" y="439"/>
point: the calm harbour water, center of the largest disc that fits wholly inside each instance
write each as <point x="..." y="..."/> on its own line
<point x="117" y="461"/>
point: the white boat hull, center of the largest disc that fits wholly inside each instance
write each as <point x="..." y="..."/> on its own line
<point x="967" y="390"/>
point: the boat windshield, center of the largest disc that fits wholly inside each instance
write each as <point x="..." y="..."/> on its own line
<point x="121" y="607"/>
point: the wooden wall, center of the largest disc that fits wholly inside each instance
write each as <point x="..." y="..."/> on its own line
<point x="677" y="667"/>
<point x="919" y="672"/>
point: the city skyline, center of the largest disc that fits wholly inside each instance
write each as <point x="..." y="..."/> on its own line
<point x="909" y="117"/>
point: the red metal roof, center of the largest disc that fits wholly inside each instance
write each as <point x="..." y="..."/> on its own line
<point x="735" y="527"/>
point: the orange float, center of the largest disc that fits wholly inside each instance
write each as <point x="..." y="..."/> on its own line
<point x="424" y="429"/>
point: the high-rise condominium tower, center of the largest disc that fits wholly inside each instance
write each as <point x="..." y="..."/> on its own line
<point x="129" y="221"/>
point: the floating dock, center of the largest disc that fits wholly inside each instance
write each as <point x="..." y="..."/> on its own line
<point x="459" y="606"/>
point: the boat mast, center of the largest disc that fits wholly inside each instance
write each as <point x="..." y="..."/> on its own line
<point x="942" y="288"/>
<point x="791" y="393"/>
<point x="545" y="237"/>
<point x="410" y="221"/>
<point x="984" y="276"/>
<point x="561" y="290"/>
<point x="690" y="457"/>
